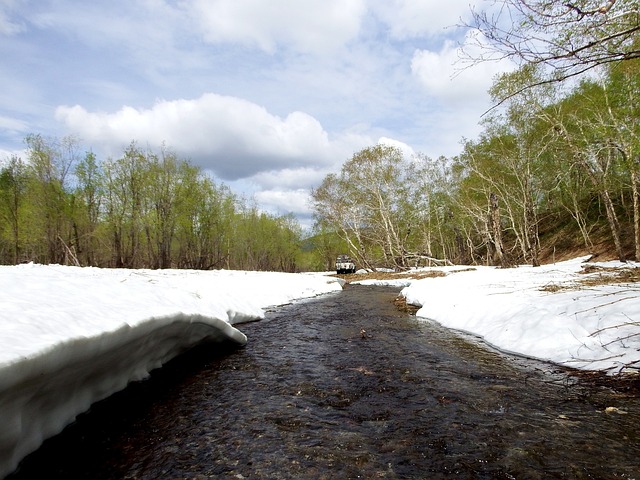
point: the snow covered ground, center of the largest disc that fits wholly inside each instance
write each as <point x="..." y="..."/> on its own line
<point x="72" y="336"/>
<point x="553" y="312"/>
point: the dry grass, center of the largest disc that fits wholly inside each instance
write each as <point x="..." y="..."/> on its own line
<point x="401" y="304"/>
<point x="610" y="275"/>
<point x="598" y="276"/>
<point x="353" y="277"/>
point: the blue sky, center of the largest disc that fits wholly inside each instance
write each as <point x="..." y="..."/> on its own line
<point x="268" y="95"/>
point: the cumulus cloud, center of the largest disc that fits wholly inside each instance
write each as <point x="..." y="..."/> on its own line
<point x="303" y="25"/>
<point x="294" y="201"/>
<point x="445" y="76"/>
<point x="233" y="137"/>
<point x="290" y="178"/>
<point x="299" y="86"/>
<point x="406" y="150"/>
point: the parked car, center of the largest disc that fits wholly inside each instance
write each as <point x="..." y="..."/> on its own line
<point x="344" y="264"/>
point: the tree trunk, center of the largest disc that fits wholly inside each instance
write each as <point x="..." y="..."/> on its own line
<point x="636" y="207"/>
<point x="531" y="225"/>
<point x="496" y="231"/>
<point x="614" y="225"/>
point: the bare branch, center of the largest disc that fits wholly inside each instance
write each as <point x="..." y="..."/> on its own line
<point x="566" y="39"/>
<point x="583" y="13"/>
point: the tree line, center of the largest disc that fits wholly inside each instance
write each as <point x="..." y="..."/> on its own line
<point x="548" y="157"/>
<point x="144" y="209"/>
<point x="551" y="157"/>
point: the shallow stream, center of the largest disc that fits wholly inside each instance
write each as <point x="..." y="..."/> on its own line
<point x="345" y="386"/>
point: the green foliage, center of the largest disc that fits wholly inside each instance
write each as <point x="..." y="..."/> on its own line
<point x="13" y="190"/>
<point x="141" y="210"/>
<point x="545" y="155"/>
<point x="371" y="206"/>
<point x="320" y="250"/>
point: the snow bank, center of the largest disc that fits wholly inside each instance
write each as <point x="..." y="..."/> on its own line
<point x="542" y="312"/>
<point x="72" y="336"/>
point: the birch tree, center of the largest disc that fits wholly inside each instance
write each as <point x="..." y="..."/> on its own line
<point x="590" y="150"/>
<point x="375" y="204"/>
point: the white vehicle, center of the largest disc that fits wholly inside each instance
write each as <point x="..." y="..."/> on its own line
<point x="344" y="264"/>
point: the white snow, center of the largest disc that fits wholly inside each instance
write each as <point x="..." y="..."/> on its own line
<point x="543" y="312"/>
<point x="71" y="336"/>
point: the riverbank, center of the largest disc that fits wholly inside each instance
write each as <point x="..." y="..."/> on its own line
<point x="580" y="314"/>
<point x="312" y="397"/>
<point x="71" y="336"/>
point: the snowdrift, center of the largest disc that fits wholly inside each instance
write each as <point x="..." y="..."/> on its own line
<point x="72" y="336"/>
<point x="564" y="313"/>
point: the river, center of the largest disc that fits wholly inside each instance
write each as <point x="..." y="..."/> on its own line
<point x="345" y="386"/>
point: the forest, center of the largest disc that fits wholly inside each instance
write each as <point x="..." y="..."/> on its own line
<point x="555" y="170"/>
<point x="142" y="210"/>
<point x="552" y="170"/>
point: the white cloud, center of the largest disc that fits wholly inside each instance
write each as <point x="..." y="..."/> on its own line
<point x="290" y="178"/>
<point x="406" y="150"/>
<point x="285" y="201"/>
<point x="302" y="25"/>
<point x="7" y="27"/>
<point x="12" y="124"/>
<point x="417" y="18"/>
<point x="142" y="35"/>
<point x="233" y="137"/>
<point x="298" y="86"/>
<point x="446" y="77"/>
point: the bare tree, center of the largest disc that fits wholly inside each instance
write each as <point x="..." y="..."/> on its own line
<point x="565" y="37"/>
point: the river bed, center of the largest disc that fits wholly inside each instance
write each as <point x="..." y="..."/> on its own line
<point x="346" y="386"/>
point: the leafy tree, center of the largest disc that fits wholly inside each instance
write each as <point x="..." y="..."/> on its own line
<point x="264" y="242"/>
<point x="127" y="204"/>
<point x="333" y="207"/>
<point x="204" y="224"/>
<point x="324" y="246"/>
<point x="89" y="195"/>
<point x="141" y="210"/>
<point x="49" y="165"/>
<point x="166" y="178"/>
<point x="374" y="204"/>
<point x="621" y="122"/>
<point x="13" y="190"/>
<point x="441" y="237"/>
<point x="581" y="137"/>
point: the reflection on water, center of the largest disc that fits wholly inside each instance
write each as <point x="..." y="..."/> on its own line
<point x="312" y="396"/>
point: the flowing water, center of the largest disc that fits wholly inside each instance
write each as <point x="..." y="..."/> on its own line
<point x="345" y="386"/>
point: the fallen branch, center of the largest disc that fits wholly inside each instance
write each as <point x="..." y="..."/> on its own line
<point x="620" y="339"/>
<point x="69" y="253"/>
<point x="437" y="261"/>
<point x="620" y="325"/>
<point x="605" y="304"/>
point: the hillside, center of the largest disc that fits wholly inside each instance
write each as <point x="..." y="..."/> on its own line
<point x="560" y="240"/>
